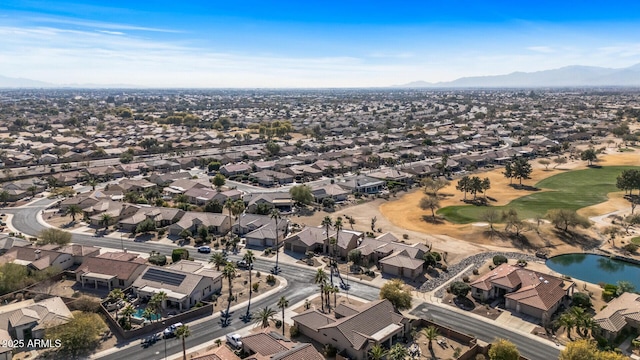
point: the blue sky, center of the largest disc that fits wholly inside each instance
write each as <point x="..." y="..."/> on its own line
<point x="307" y="43"/>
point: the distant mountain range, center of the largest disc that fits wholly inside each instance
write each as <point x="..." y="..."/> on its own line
<point x="563" y="77"/>
<point x="11" y="82"/>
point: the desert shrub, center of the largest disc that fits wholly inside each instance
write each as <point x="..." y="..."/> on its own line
<point x="476" y="272"/>
<point x="465" y="278"/>
<point x="499" y="259"/>
<point x="294" y="332"/>
<point x="159" y="260"/>
<point x="255" y="287"/>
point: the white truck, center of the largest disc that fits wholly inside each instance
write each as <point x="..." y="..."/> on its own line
<point x="234" y="340"/>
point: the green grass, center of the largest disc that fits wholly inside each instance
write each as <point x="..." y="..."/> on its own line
<point x="571" y="190"/>
<point x="636" y="240"/>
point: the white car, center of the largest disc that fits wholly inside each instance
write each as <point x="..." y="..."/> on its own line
<point x="171" y="330"/>
<point x="234" y="340"/>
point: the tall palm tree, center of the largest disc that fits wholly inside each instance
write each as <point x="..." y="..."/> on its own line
<point x="105" y="219"/>
<point x="127" y="312"/>
<point x="431" y="333"/>
<point x="321" y="279"/>
<point x="148" y="313"/>
<point x="218" y="259"/>
<point x="229" y="206"/>
<point x="282" y="304"/>
<point x="74" y="210"/>
<point x="397" y="352"/>
<point x="377" y="352"/>
<point x="264" y="316"/>
<point x="92" y="182"/>
<point x="327" y="223"/>
<point x="238" y="208"/>
<point x="337" y="225"/>
<point x="275" y="215"/>
<point x="580" y="318"/>
<point x="115" y="296"/>
<point x="229" y="272"/>
<point x="160" y="298"/>
<point x="249" y="258"/>
<point x="335" y="290"/>
<point x="183" y="332"/>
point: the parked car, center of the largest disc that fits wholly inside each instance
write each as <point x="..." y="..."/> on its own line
<point x="234" y="340"/>
<point x="244" y="265"/>
<point x="204" y="249"/>
<point x="150" y="340"/>
<point x="170" y="331"/>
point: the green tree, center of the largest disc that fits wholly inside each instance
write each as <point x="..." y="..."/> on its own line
<point x="589" y="156"/>
<point x="395" y="292"/>
<point x="377" y="352"/>
<point x="179" y="254"/>
<point x="4" y="197"/>
<point x="218" y="259"/>
<point x="105" y="219"/>
<point x="115" y="296"/>
<point x="127" y="312"/>
<point x="355" y="256"/>
<point x="521" y="169"/>
<point x="459" y="289"/>
<point x="182" y="333"/>
<point x="214" y="166"/>
<point x="623" y="287"/>
<point x="397" y="352"/>
<point x="463" y="185"/>
<point x="147" y="225"/>
<point x="272" y="148"/>
<point x="54" y="236"/>
<point x="218" y="181"/>
<point x="431" y="333"/>
<point x="513" y="223"/>
<point x="79" y="336"/>
<point x="301" y="194"/>
<point x="583" y="349"/>
<point x="567" y="321"/>
<point x="283" y="303"/>
<point x="502" y="349"/>
<point x="264" y="317"/>
<point x="74" y="210"/>
<point x="432" y="186"/>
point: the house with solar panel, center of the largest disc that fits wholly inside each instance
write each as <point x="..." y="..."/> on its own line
<point x="185" y="284"/>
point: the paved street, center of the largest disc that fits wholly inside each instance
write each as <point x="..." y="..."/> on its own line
<point x="300" y="285"/>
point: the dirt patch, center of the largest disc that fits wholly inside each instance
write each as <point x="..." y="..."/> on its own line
<point x="441" y="348"/>
<point x="315" y="303"/>
<point x="241" y="289"/>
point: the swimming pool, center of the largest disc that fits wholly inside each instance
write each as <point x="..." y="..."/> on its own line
<point x="139" y="312"/>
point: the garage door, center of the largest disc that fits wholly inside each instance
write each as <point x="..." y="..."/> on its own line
<point x="299" y="249"/>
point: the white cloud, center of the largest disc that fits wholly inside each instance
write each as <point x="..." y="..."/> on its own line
<point x="111" y="32"/>
<point x="541" y="49"/>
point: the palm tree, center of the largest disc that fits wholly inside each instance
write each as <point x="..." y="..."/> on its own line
<point x="183" y="332"/>
<point x="105" y="219"/>
<point x="580" y="318"/>
<point x="249" y="258"/>
<point x="263" y="317"/>
<point x="327" y="223"/>
<point x="32" y="189"/>
<point x="218" y="259"/>
<point x="92" y="182"/>
<point x="568" y="322"/>
<point x="431" y="333"/>
<point x="321" y="278"/>
<point x="229" y="272"/>
<point x="148" y="313"/>
<point x="377" y="352"/>
<point x="397" y="352"/>
<point x="335" y="290"/>
<point x="282" y="304"/>
<point x="128" y="311"/>
<point x="238" y="208"/>
<point x="338" y="227"/>
<point x="74" y="210"/>
<point x="115" y="296"/>
<point x="275" y="214"/>
<point x="160" y="297"/>
<point x="229" y="206"/>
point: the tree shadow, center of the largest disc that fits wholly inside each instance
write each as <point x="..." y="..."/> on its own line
<point x="576" y="239"/>
<point x="464" y="303"/>
<point x="433" y="220"/>
<point x="476" y="202"/>
<point x="524" y="187"/>
<point x="519" y="241"/>
<point x="594" y="166"/>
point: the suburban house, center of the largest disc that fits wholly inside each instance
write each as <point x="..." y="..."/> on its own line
<point x="79" y="252"/>
<point x="161" y="217"/>
<point x="393" y="257"/>
<point x="180" y="186"/>
<point x="235" y="169"/>
<point x="334" y="191"/>
<point x="166" y="179"/>
<point x="274" y="346"/>
<point x="36" y="258"/>
<point x="7" y="242"/>
<point x="525" y="291"/>
<point x="363" y="184"/>
<point x="28" y="319"/>
<point x="200" y="196"/>
<point x="278" y="200"/>
<point x="620" y="313"/>
<point x="315" y="239"/>
<point x="271" y="178"/>
<point x="222" y="196"/>
<point x="183" y="285"/>
<point x="354" y="330"/>
<point x="81" y="201"/>
<point x="137" y="185"/>
<point x="246" y="223"/>
<point x="192" y="221"/>
<point x="109" y="273"/>
<point x="117" y="210"/>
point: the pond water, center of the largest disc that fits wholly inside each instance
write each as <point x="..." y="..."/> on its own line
<point x="595" y="268"/>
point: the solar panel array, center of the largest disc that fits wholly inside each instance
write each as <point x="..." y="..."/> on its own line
<point x="164" y="277"/>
